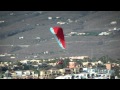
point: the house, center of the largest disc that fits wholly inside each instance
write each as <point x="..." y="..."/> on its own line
<point x="54" y="71"/>
<point x="83" y="75"/>
<point x="2" y="65"/>
<point x="27" y="72"/>
<point x="24" y="76"/>
<point x="35" y="66"/>
<point x="18" y="73"/>
<point x="100" y="62"/>
<point x="93" y="63"/>
<point x="5" y="77"/>
<point x="78" y="57"/>
<point x="60" y="77"/>
<point x="72" y="64"/>
<point x="85" y="63"/>
<point x="102" y="76"/>
<point x="75" y="70"/>
<point x="51" y="72"/>
<point x="36" y="76"/>
<point x="67" y="70"/>
<point x="52" y="64"/>
<point x="109" y="66"/>
<point x="68" y="77"/>
<point x="43" y="74"/>
<point x="13" y="74"/>
<point x="24" y="61"/>
<point x="37" y="61"/>
<point x="62" y="71"/>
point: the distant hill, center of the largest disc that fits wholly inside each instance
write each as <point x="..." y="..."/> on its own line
<point x="26" y="33"/>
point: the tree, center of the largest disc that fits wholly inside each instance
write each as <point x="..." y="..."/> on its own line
<point x="104" y="59"/>
<point x="4" y="69"/>
<point x="79" y="62"/>
<point x="66" y="63"/>
<point x="116" y="68"/>
<point x="117" y="61"/>
<point x="94" y="59"/>
<point x="18" y="63"/>
<point x="59" y="66"/>
<point x="0" y="69"/>
<point x="86" y="59"/>
<point x="26" y="67"/>
<point x="34" y="63"/>
<point x="101" y="66"/>
<point x="89" y="64"/>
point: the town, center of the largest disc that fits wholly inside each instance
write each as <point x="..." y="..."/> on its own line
<point x="75" y="67"/>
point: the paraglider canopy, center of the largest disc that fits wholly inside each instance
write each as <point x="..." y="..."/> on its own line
<point x="59" y="36"/>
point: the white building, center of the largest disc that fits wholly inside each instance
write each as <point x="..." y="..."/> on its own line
<point x="60" y="77"/>
<point x="24" y="61"/>
<point x="18" y="73"/>
<point x="79" y="57"/>
<point x="104" y="33"/>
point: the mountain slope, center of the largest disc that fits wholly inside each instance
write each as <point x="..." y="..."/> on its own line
<point x="26" y="33"/>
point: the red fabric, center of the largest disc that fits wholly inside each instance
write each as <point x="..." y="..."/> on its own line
<point x="60" y="62"/>
<point x="60" y="35"/>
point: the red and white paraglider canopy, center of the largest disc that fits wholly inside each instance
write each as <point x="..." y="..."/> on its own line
<point x="59" y="35"/>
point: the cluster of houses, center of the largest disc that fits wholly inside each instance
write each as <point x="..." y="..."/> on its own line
<point x="73" y="70"/>
<point x="20" y="74"/>
<point x="88" y="73"/>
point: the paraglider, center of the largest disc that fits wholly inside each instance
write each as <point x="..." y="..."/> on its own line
<point x="59" y="36"/>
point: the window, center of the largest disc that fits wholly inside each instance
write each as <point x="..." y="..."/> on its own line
<point x="72" y="77"/>
<point x="88" y="75"/>
<point x="93" y="75"/>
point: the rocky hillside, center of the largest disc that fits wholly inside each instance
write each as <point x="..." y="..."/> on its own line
<point x="25" y="34"/>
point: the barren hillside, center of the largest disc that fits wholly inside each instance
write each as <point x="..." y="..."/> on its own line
<point x="25" y="34"/>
